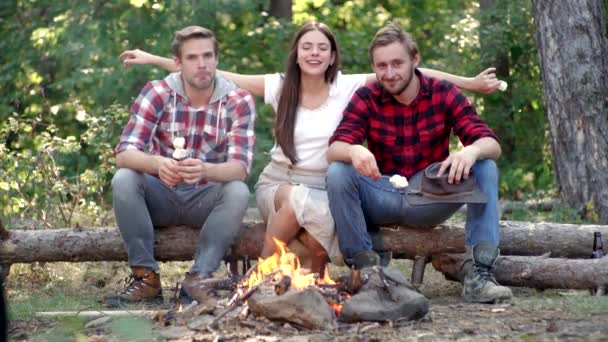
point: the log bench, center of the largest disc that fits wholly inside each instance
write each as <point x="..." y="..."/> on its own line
<point x="553" y="245"/>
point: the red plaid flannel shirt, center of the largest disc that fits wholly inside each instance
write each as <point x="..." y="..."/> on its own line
<point x="405" y="139"/>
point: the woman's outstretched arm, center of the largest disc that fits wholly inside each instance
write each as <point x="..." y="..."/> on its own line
<point x="252" y="83"/>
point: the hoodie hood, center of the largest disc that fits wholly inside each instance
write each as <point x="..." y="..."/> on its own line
<point x="222" y="86"/>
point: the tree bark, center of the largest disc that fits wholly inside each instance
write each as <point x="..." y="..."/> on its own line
<point x="179" y="243"/>
<point x="536" y="272"/>
<point x="571" y="38"/>
<point x="281" y="9"/>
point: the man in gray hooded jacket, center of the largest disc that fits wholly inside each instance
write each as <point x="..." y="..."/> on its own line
<point x="182" y="158"/>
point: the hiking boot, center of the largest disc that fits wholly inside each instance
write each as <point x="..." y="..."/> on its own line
<point x="143" y="286"/>
<point x="385" y="258"/>
<point x="193" y="288"/>
<point x="479" y="286"/>
<point x="365" y="259"/>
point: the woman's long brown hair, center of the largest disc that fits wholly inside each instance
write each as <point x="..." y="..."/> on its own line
<point x="289" y="99"/>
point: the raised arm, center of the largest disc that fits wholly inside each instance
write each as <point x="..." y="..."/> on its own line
<point x="252" y="83"/>
<point x="484" y="83"/>
<point x="140" y="57"/>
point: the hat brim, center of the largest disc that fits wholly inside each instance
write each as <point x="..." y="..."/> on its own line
<point x="417" y="197"/>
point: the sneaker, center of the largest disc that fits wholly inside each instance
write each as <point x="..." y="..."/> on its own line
<point x="142" y="286"/>
<point x="479" y="286"/>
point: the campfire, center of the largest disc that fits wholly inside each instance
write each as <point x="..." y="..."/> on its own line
<point x="279" y="289"/>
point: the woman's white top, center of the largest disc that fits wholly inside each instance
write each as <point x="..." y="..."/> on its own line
<point x="313" y="127"/>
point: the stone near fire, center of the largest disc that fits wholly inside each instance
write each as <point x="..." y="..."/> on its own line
<point x="173" y="333"/>
<point x="384" y="298"/>
<point x="200" y="322"/>
<point x="306" y="308"/>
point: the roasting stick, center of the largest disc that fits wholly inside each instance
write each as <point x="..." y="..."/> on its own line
<point x="239" y="301"/>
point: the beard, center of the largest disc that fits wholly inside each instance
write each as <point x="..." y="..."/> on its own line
<point x="402" y="83"/>
<point x="200" y="83"/>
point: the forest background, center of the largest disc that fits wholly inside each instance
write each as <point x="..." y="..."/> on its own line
<point x="65" y="95"/>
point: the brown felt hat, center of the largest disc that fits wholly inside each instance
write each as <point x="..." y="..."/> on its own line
<point x="426" y="188"/>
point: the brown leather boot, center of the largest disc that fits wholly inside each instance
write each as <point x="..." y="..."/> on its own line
<point x="194" y="288"/>
<point x="143" y="286"/>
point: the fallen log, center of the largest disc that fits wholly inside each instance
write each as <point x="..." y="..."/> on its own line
<point x="178" y="243"/>
<point x="541" y="272"/>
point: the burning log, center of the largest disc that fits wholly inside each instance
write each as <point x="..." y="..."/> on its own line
<point x="105" y="243"/>
<point x="238" y="301"/>
<point x="537" y="272"/>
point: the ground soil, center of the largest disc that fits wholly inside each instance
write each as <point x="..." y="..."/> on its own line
<point x="533" y="315"/>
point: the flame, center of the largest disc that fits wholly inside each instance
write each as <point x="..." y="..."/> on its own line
<point x="337" y="308"/>
<point x="180" y="308"/>
<point x="286" y="263"/>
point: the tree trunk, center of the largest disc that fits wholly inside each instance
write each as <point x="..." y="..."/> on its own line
<point x="537" y="272"/>
<point x="281" y="9"/>
<point x="179" y="243"/>
<point x="571" y="37"/>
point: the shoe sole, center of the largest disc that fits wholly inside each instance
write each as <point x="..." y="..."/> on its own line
<point x="486" y="300"/>
<point x="118" y="303"/>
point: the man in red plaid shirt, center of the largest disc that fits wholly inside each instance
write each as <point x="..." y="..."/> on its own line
<point x="406" y="119"/>
<point x="182" y="158"/>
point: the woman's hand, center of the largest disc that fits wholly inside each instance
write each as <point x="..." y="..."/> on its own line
<point x="486" y="82"/>
<point x="137" y="56"/>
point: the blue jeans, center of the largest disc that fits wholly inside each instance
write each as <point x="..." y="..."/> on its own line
<point x="142" y="202"/>
<point x="359" y="205"/>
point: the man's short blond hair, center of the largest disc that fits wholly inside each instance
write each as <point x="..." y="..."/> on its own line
<point x="390" y="34"/>
<point x="192" y="32"/>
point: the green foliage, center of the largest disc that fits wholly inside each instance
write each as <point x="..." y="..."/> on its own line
<point x="65" y="94"/>
<point x="50" y="178"/>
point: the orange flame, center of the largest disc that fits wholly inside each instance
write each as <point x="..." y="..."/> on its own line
<point x="337" y="308"/>
<point x="286" y="263"/>
<point x="180" y="308"/>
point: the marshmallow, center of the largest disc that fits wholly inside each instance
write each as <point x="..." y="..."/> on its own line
<point x="398" y="181"/>
<point x="179" y="142"/>
<point x="502" y="86"/>
<point x="179" y="153"/>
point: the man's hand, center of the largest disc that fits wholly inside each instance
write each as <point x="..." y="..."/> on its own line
<point x="460" y="164"/>
<point x="364" y="162"/>
<point x="486" y="82"/>
<point x="137" y="56"/>
<point x="168" y="171"/>
<point x="192" y="170"/>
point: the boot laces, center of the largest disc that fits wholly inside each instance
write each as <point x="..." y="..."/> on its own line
<point x="485" y="273"/>
<point x="132" y="283"/>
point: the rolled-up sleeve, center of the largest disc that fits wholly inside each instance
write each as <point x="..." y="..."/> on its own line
<point x="143" y="120"/>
